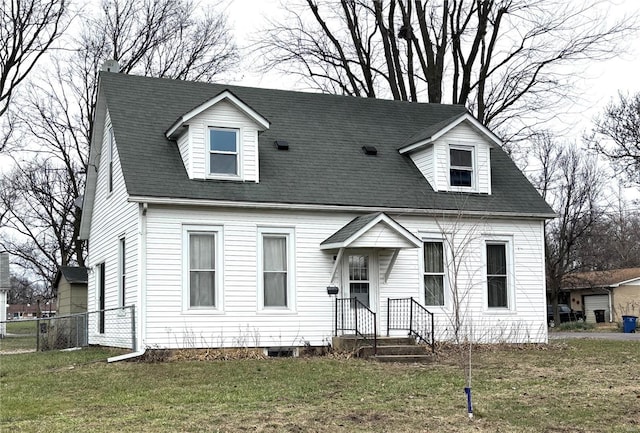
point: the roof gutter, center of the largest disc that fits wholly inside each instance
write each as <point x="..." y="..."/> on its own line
<point x="328" y="207"/>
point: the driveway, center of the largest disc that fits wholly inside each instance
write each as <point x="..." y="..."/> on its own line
<point x="619" y="336"/>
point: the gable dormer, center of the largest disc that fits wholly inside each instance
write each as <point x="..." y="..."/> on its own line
<point x="219" y="139"/>
<point x="454" y="155"/>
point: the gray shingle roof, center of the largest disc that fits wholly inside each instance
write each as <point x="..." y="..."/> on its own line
<point x="324" y="165"/>
<point x="73" y="274"/>
<point x="350" y="228"/>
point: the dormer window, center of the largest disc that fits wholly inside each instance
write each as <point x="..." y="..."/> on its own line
<point x="461" y="166"/>
<point x="223" y="152"/>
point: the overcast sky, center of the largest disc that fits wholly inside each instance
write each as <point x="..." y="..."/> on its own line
<point x="602" y="83"/>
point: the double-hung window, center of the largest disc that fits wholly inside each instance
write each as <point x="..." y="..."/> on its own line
<point x="275" y="268"/>
<point x="223" y="152"/>
<point x="497" y="275"/>
<point x="202" y="258"/>
<point x="433" y="273"/>
<point x="461" y="166"/>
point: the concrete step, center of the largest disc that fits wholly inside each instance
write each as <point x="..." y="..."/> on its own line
<point x="422" y="359"/>
<point x="412" y="349"/>
<point x="352" y="342"/>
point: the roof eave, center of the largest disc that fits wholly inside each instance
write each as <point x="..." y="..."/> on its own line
<point x="330" y="207"/>
<point x="225" y="95"/>
<point x="475" y="123"/>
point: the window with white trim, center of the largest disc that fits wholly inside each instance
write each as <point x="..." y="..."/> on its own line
<point x="497" y="275"/>
<point x="461" y="166"/>
<point x="223" y="151"/>
<point x="434" y="280"/>
<point x="122" y="271"/>
<point x="276" y="268"/>
<point x="202" y="258"/>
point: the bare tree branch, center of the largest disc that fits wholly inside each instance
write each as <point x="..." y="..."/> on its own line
<point x="27" y="30"/>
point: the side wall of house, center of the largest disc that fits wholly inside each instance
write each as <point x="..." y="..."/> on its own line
<point x="240" y="321"/>
<point x="626" y="301"/>
<point x="114" y="218"/>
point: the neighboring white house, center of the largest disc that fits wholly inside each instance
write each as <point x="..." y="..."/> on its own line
<point x="223" y="213"/>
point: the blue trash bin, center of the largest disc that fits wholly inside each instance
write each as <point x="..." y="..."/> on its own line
<point x="629" y="324"/>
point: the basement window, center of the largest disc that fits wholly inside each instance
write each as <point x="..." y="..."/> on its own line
<point x="281" y="352"/>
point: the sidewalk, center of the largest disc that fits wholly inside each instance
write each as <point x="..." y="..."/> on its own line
<point x="619" y="336"/>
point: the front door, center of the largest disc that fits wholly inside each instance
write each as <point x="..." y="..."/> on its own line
<point x="360" y="278"/>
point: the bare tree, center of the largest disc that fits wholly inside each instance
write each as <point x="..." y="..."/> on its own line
<point x="39" y="214"/>
<point x="571" y="181"/>
<point x="614" y="240"/>
<point x="28" y="29"/>
<point x="162" y="38"/>
<point x="617" y="135"/>
<point x="504" y="59"/>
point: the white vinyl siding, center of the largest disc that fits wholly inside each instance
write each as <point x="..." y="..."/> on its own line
<point x="113" y="218"/>
<point x="185" y="151"/>
<point x="425" y="160"/>
<point x="245" y="322"/>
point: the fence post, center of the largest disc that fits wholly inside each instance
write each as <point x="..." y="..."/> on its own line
<point x="38" y="335"/>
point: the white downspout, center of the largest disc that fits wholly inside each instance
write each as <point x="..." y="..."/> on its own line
<point x="142" y="288"/>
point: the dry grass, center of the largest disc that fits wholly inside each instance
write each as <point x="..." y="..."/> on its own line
<point x="576" y="386"/>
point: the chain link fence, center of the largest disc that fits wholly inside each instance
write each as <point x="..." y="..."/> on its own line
<point x="115" y="327"/>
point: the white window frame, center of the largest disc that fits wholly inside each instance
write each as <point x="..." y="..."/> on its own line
<point x="289" y="234"/>
<point x="237" y="153"/>
<point x="474" y="167"/>
<point x="187" y="230"/>
<point x="122" y="270"/>
<point x="511" y="295"/>
<point x="445" y="278"/>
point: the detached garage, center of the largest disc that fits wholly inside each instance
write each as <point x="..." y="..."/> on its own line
<point x="615" y="292"/>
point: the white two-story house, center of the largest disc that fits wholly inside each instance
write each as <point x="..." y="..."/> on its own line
<point x="231" y="216"/>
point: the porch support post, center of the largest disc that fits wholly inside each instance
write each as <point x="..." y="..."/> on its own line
<point x="392" y="262"/>
<point x="336" y="264"/>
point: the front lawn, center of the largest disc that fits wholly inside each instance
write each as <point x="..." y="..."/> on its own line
<point x="574" y="386"/>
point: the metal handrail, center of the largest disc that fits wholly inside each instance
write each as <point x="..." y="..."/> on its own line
<point x="407" y="314"/>
<point x="348" y="314"/>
